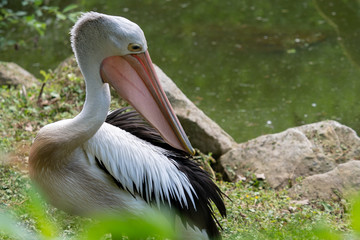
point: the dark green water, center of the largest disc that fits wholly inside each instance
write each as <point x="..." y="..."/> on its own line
<point x="255" y="67"/>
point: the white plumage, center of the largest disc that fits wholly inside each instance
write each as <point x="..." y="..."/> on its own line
<point x="135" y="161"/>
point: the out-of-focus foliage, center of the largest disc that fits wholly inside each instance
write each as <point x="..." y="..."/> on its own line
<point x="116" y="226"/>
<point x="31" y="16"/>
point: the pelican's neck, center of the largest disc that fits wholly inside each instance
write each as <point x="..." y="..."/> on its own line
<point x="97" y="100"/>
<point x="56" y="141"/>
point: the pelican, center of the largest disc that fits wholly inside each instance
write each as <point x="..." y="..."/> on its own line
<point x="118" y="162"/>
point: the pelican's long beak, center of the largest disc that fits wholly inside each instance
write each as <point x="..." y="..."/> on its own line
<point x="134" y="78"/>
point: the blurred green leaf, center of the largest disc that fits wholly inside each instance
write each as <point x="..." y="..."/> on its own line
<point x="37" y="210"/>
<point x="29" y="18"/>
<point x="69" y="8"/>
<point x="60" y="16"/>
<point x="323" y="232"/>
<point x="355" y="215"/>
<point x="74" y="16"/>
<point x="150" y="223"/>
<point x="39" y="27"/>
<point x="20" y="13"/>
<point x="11" y="228"/>
<point x="3" y="3"/>
<point x="38" y="2"/>
<point x="39" y="12"/>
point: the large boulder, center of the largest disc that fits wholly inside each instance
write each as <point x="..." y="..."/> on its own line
<point x="297" y="152"/>
<point x="13" y="74"/>
<point x="342" y="181"/>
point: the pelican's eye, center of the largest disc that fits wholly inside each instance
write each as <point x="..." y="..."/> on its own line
<point x="134" y="47"/>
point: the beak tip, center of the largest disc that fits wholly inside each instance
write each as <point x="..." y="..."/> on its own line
<point x="192" y="151"/>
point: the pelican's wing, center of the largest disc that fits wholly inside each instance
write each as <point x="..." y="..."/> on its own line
<point x="139" y="167"/>
<point x="156" y="172"/>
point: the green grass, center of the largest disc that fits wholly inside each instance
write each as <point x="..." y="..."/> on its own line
<point x="267" y="214"/>
<point x="255" y="211"/>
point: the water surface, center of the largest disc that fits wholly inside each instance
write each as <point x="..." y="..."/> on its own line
<point x="255" y="67"/>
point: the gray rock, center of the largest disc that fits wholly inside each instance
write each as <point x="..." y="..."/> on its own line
<point x="13" y="74"/>
<point x="203" y="132"/>
<point x="340" y="182"/>
<point x="301" y="151"/>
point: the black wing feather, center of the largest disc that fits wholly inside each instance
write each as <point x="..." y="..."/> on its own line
<point x="203" y="216"/>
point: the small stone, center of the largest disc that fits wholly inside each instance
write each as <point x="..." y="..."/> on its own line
<point x="260" y="176"/>
<point x="240" y="178"/>
<point x="291" y="209"/>
<point x="300" y="202"/>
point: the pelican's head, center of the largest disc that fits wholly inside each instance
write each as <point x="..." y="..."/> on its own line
<point x="118" y="48"/>
<point x="103" y="36"/>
